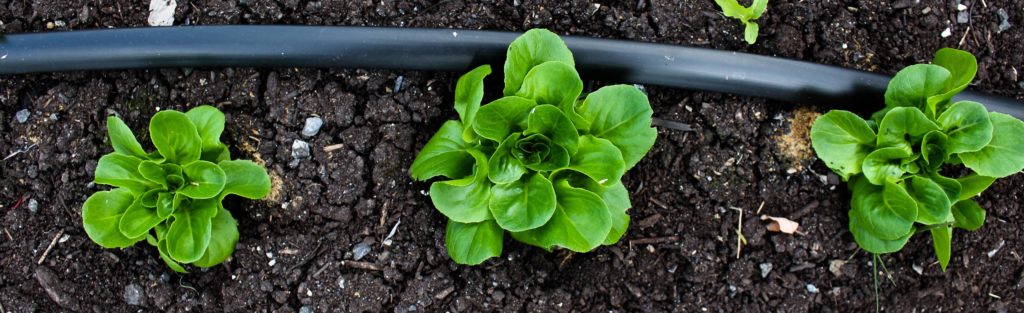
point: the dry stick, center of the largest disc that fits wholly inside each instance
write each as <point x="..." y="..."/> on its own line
<point x="759" y="208"/>
<point x="52" y="243"/>
<point x="654" y="240"/>
<point x="9" y="237"/>
<point x="740" y="239"/>
<point x="361" y="265"/>
<point x="964" y="38"/>
<point x="334" y="147"/>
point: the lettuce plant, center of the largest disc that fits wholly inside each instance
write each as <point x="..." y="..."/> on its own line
<point x="544" y="162"/>
<point x="746" y="15"/>
<point x="172" y="197"/>
<point x="898" y="163"/>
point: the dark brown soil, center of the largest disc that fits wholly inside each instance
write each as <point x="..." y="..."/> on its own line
<point x="296" y="248"/>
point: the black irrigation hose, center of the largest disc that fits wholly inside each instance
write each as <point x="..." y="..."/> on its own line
<point x="448" y="50"/>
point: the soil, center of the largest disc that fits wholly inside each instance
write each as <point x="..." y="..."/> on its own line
<point x="680" y="254"/>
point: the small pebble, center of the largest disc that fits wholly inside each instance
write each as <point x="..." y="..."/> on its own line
<point x="961" y="7"/>
<point x="300" y="151"/>
<point x="133" y="294"/>
<point x="341" y="282"/>
<point x="946" y="33"/>
<point x="963" y="17"/>
<point x="398" y="83"/>
<point x="53" y="117"/>
<point x="312" y="126"/>
<point x="50" y="25"/>
<point x="1004" y="20"/>
<point x="811" y="288"/>
<point x="22" y="116"/>
<point x="361" y="250"/>
<point x="33" y="205"/>
<point x="305" y="309"/>
<point x="766" y="268"/>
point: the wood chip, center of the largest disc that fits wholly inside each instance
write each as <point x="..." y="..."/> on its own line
<point x="781" y="224"/>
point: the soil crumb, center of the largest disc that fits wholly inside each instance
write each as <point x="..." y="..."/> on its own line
<point x="795" y="145"/>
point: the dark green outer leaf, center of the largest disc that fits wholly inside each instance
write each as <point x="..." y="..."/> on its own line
<point x="534" y="47"/>
<point x="973" y="185"/>
<point x="122" y="138"/>
<point x="245" y="178"/>
<point x="968" y="126"/>
<point x="473" y="243"/>
<point x="524" y="204"/>
<point x="121" y="170"/>
<point x="138" y="220"/>
<point x="599" y="159"/>
<point x="901" y="123"/>
<point x="555" y="83"/>
<point x="100" y="216"/>
<point x="933" y="205"/>
<point x="209" y="122"/>
<point x="885" y="164"/>
<point x="223" y="237"/>
<point x="842" y="140"/>
<point x="581" y="221"/>
<point x="887" y="213"/>
<point x="175" y="137"/>
<point x="465" y="200"/>
<point x="912" y="86"/>
<point x="621" y="114"/>
<point x="873" y="244"/>
<point x="444" y="155"/>
<point x="1004" y="155"/>
<point x="968" y="215"/>
<point x="498" y="119"/>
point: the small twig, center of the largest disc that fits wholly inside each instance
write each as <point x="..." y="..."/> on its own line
<point x="964" y="38"/>
<point x="19" y="151"/>
<point x="18" y="204"/>
<point x="671" y="125"/>
<point x="654" y="240"/>
<point x="334" y="147"/>
<point x="9" y="237"/>
<point x="444" y="293"/>
<point x="740" y="239"/>
<point x="759" y="208"/>
<point x="659" y="203"/>
<point x="322" y="269"/>
<point x="52" y="243"/>
<point x="361" y="265"/>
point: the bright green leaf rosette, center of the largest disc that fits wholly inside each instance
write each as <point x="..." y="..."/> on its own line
<point x="172" y="197"/>
<point x="894" y="163"/>
<point x="543" y="163"/>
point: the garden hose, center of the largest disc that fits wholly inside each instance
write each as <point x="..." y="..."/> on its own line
<point x="449" y="50"/>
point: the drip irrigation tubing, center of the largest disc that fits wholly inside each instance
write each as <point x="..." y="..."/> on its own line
<point x="456" y="50"/>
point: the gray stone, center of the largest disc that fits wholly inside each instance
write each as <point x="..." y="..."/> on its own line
<point x="305" y="309"/>
<point x="398" y="83"/>
<point x="53" y="117"/>
<point x="361" y="250"/>
<point x="963" y="17"/>
<point x="33" y="205"/>
<point x="300" y="151"/>
<point x="133" y="294"/>
<point x="812" y="288"/>
<point x="766" y="268"/>
<point x="312" y="126"/>
<point x="22" y="116"/>
<point x="1004" y="20"/>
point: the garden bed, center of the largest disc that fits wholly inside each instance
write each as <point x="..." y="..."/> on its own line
<point x="298" y="248"/>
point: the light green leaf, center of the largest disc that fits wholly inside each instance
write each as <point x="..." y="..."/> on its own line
<point x="621" y="114"/>
<point x="599" y="159"/>
<point x="616" y="198"/>
<point x="498" y="119"/>
<point x="842" y="140"/>
<point x="968" y="126"/>
<point x="913" y="85"/>
<point x="885" y="164"/>
<point x="968" y="215"/>
<point x="733" y="9"/>
<point x="757" y="8"/>
<point x="887" y="213"/>
<point x="973" y="185"/>
<point x="189" y="234"/>
<point x="870" y="243"/>
<point x="750" y="32"/>
<point x="209" y="122"/>
<point x="534" y="47"/>
<point x="245" y="178"/>
<point x="473" y="243"/>
<point x="204" y="180"/>
<point x="100" y="216"/>
<point x="165" y="205"/>
<point x="175" y="137"/>
<point x="1004" y="155"/>
<point x="503" y="167"/>
<point x="581" y="221"/>
<point x="549" y="121"/>
<point x="223" y="237"/>
<point x="903" y="127"/>
<point x="538" y="153"/>
<point x="121" y="170"/>
<point x="122" y="138"/>
<point x="465" y="200"/>
<point x="950" y="186"/>
<point x="161" y="232"/>
<point x="444" y="155"/>
<point x="962" y="66"/>
<point x="555" y="83"/>
<point x="933" y="205"/>
<point x="138" y="220"/>
<point x="524" y="204"/>
<point x="942" y="236"/>
<point x="149" y="198"/>
<point x="469" y="91"/>
<point x="153" y="172"/>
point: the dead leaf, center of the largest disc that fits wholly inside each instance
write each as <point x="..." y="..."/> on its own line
<point x="781" y="224"/>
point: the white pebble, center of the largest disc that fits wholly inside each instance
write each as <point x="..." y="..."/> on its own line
<point x="946" y="33"/>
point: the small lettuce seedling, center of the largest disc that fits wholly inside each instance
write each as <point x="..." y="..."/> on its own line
<point x="540" y="163"/>
<point x="896" y="163"/>
<point x="172" y="197"/>
<point x="747" y="15"/>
